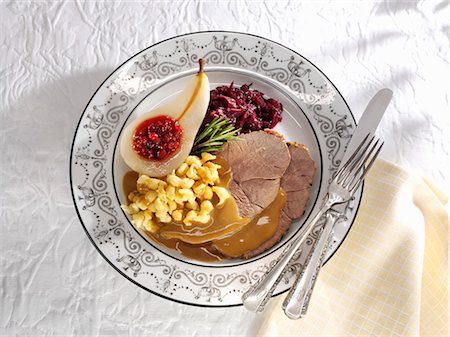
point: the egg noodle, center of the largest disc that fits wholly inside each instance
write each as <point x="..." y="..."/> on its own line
<point x="183" y="196"/>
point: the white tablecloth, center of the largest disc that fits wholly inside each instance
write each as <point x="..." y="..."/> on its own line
<point x="54" y="55"/>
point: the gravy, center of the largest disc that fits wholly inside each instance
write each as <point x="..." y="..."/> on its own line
<point x="202" y="252"/>
<point x="224" y="220"/>
<point x="256" y="232"/>
<point x="227" y="234"/>
<point x="129" y="184"/>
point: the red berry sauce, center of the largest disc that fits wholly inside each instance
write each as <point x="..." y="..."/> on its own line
<point x="157" y="138"/>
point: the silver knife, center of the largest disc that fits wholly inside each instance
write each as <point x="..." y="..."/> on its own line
<point x="368" y="122"/>
<point x="296" y="302"/>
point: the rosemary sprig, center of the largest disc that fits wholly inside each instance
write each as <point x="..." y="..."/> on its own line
<point x="214" y="136"/>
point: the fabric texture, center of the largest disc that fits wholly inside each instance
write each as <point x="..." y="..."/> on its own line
<point x="390" y="276"/>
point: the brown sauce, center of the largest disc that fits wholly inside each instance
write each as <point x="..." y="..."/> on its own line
<point x="202" y="252"/>
<point x="129" y="183"/>
<point x="227" y="234"/>
<point x="255" y="233"/>
<point x="224" y="220"/>
<point x="194" y="95"/>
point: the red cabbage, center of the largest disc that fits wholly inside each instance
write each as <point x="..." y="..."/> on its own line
<point x="247" y="109"/>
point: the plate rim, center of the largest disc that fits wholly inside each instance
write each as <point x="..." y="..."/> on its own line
<point x="101" y="85"/>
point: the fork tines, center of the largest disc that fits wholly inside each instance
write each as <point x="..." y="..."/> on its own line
<point x="354" y="170"/>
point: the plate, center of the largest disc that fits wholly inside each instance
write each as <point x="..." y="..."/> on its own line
<point x="315" y="114"/>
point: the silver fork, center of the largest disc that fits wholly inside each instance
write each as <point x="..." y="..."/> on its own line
<point x="296" y="302"/>
<point x="345" y="183"/>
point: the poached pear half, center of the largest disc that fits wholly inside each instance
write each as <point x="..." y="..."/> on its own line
<point x="159" y="141"/>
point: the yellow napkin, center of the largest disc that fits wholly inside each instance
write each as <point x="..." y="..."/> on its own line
<point x="390" y="276"/>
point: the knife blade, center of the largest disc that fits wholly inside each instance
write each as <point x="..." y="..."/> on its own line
<point x="367" y="124"/>
<point x="297" y="300"/>
<point x="369" y="121"/>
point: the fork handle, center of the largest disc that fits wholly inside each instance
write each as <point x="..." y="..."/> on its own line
<point x="256" y="297"/>
<point x="296" y="302"/>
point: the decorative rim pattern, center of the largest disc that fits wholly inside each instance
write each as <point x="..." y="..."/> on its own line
<point x="91" y="163"/>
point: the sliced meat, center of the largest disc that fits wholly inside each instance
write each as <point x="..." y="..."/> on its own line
<point x="256" y="177"/>
<point x="296" y="182"/>
<point x="252" y="156"/>
<point x="249" y="197"/>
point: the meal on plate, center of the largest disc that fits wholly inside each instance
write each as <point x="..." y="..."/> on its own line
<point x="210" y="177"/>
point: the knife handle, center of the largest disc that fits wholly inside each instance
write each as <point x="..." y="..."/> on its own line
<point x="296" y="302"/>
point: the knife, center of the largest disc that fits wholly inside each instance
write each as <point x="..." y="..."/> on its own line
<point x="296" y="302"/>
<point x="368" y="122"/>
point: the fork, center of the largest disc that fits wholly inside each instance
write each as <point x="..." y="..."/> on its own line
<point x="296" y="303"/>
<point x="345" y="183"/>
